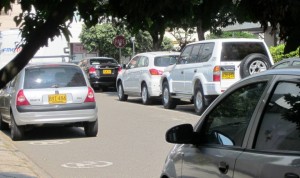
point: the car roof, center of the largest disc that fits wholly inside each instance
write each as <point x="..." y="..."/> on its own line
<point x="38" y="64"/>
<point x="160" y="53"/>
<point x="229" y="40"/>
<point x="280" y="71"/>
<point x="98" y="58"/>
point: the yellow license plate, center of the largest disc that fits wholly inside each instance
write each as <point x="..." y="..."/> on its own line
<point x="106" y="71"/>
<point x="57" y="99"/>
<point x="228" y="75"/>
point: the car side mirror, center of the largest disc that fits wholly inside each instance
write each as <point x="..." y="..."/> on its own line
<point x="123" y="66"/>
<point x="181" y="134"/>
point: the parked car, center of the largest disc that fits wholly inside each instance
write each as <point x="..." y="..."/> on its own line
<point x="289" y="62"/>
<point x="101" y="71"/>
<point x="141" y="76"/>
<point x="251" y="130"/>
<point x="48" y="94"/>
<point x="205" y="69"/>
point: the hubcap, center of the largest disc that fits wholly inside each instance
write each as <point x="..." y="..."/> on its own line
<point x="166" y="95"/>
<point x="257" y="66"/>
<point x="198" y="100"/>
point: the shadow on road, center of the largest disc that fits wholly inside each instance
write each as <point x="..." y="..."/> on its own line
<point x="54" y="132"/>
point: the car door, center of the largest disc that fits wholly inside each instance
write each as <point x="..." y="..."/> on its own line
<point x="274" y="147"/>
<point x="220" y="134"/>
<point x="177" y="73"/>
<point x="142" y="73"/>
<point x="128" y="75"/>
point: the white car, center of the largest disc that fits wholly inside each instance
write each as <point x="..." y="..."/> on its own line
<point x="141" y="76"/>
<point x="205" y="69"/>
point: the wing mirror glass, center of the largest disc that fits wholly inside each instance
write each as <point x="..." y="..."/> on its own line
<point x="181" y="134"/>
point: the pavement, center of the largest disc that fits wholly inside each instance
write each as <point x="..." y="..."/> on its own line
<point x="15" y="164"/>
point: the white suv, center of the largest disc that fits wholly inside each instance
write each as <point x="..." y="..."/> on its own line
<point x="205" y="69"/>
<point x="141" y="76"/>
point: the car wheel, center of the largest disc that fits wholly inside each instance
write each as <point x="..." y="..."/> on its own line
<point x="91" y="128"/>
<point x="121" y="95"/>
<point x="254" y="63"/>
<point x="199" y="102"/>
<point x="167" y="100"/>
<point x="16" y="132"/>
<point x="3" y="125"/>
<point x="145" y="95"/>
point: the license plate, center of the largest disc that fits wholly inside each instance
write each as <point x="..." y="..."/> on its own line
<point x="106" y="71"/>
<point x="57" y="99"/>
<point x="228" y="75"/>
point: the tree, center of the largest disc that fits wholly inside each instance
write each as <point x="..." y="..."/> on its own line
<point x="183" y="36"/>
<point x="282" y="16"/>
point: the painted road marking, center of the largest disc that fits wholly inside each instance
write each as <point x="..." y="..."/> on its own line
<point x="49" y="142"/>
<point x="87" y="164"/>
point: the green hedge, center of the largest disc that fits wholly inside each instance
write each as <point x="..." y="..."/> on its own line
<point x="278" y="55"/>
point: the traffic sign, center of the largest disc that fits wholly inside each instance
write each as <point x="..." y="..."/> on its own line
<point x="119" y="41"/>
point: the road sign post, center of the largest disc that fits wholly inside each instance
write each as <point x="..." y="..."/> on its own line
<point x="119" y="42"/>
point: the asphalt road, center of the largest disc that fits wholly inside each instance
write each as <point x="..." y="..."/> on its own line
<point x="130" y="142"/>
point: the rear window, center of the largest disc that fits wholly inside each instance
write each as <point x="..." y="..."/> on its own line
<point x="53" y="77"/>
<point x="102" y="61"/>
<point x="164" y="61"/>
<point x="237" y="51"/>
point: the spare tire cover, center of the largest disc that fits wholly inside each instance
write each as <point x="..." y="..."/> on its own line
<point x="254" y="63"/>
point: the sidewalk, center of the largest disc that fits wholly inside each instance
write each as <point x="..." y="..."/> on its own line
<point x="14" y="164"/>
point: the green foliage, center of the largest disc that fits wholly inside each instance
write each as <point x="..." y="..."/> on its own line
<point x="277" y="53"/>
<point x="231" y="35"/>
<point x="99" y="38"/>
<point x="167" y="44"/>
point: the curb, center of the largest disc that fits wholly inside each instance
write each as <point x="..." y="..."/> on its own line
<point x="16" y="164"/>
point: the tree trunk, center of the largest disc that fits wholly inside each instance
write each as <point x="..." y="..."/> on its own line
<point x="200" y="30"/>
<point x="157" y="38"/>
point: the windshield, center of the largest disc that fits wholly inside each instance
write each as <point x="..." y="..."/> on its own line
<point x="53" y="77"/>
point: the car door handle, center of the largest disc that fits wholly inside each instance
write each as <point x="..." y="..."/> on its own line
<point x="291" y="175"/>
<point x="195" y="71"/>
<point x="223" y="167"/>
<point x="181" y="72"/>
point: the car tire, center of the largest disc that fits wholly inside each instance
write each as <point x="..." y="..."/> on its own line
<point x="145" y="95"/>
<point x="121" y="95"/>
<point x="254" y="63"/>
<point x="16" y="132"/>
<point x="199" y="100"/>
<point x="3" y="125"/>
<point x="167" y="100"/>
<point x="91" y="128"/>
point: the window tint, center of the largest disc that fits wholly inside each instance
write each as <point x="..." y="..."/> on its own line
<point x="143" y="61"/>
<point x="185" y="55"/>
<point x="228" y="122"/>
<point x="102" y="61"/>
<point x="133" y="62"/>
<point x="195" y="54"/>
<point x="237" y="51"/>
<point x="280" y="125"/>
<point x="164" y="61"/>
<point x="206" y="52"/>
<point x="53" y="77"/>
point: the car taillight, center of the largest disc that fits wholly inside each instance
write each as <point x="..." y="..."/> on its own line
<point x="119" y="69"/>
<point x="155" y="72"/>
<point x="216" y="74"/>
<point x="21" y="99"/>
<point x="90" y="96"/>
<point x="92" y="70"/>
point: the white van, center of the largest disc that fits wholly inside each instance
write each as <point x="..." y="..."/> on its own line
<point x="205" y="69"/>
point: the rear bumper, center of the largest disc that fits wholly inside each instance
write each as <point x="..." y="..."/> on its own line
<point x="55" y="117"/>
<point x="105" y="81"/>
